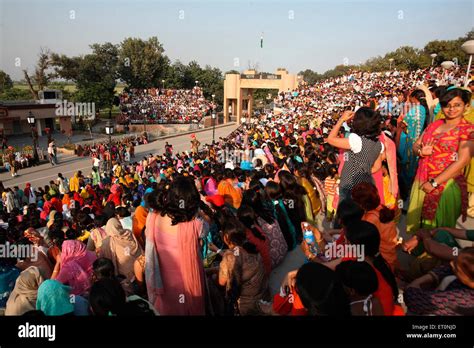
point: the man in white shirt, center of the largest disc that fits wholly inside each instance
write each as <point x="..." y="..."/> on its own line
<point x="52" y="153"/>
<point x="96" y="163"/>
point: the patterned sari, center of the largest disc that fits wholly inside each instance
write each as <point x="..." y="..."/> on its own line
<point x="444" y="205"/>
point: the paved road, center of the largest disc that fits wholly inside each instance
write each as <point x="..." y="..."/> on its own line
<point x="69" y="164"/>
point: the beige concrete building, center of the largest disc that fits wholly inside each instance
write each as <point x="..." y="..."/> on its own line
<point x="13" y="115"/>
<point x="238" y="89"/>
<point x="13" y="118"/>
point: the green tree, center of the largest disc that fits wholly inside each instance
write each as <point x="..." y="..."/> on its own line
<point x="142" y="63"/>
<point x="310" y="76"/>
<point x="339" y="70"/>
<point x="66" y="67"/>
<point x="5" y="81"/>
<point x="15" y="94"/>
<point x="446" y="50"/>
<point x="175" y="75"/>
<point x="95" y="74"/>
<point x="42" y="75"/>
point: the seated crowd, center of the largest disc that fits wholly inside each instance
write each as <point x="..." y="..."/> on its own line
<point x="163" y="105"/>
<point x="330" y="180"/>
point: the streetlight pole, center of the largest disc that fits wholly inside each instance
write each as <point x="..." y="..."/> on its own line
<point x="468" y="47"/>
<point x="144" y="113"/>
<point x="213" y="120"/>
<point x="31" y="121"/>
<point x="390" y="60"/>
<point x="109" y="129"/>
<point x="433" y="56"/>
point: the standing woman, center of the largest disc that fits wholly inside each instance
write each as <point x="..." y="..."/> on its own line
<point x="439" y="194"/>
<point x="363" y="148"/>
<point x="410" y="128"/>
<point x="174" y="271"/>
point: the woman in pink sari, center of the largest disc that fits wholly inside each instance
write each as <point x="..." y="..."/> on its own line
<point x="439" y="194"/>
<point x="174" y="270"/>
<point x="74" y="266"/>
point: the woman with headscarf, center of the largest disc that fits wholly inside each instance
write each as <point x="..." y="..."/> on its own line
<point x="115" y="194"/>
<point x="139" y="222"/>
<point x="74" y="183"/>
<point x="121" y="247"/>
<point x="66" y="200"/>
<point x="74" y="266"/>
<point x="30" y="193"/>
<point x="54" y="299"/>
<point x="47" y="206"/>
<point x="23" y="297"/>
<point x="8" y="200"/>
<point x="78" y="198"/>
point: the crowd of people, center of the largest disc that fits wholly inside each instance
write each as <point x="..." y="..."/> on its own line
<point x="13" y="160"/>
<point x="331" y="173"/>
<point x="163" y="105"/>
<point x="102" y="153"/>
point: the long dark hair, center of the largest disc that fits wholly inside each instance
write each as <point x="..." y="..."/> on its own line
<point x="321" y="291"/>
<point x="273" y="191"/>
<point x="293" y="193"/>
<point x="348" y="212"/>
<point x="180" y="201"/>
<point x="420" y="95"/>
<point x="246" y="216"/>
<point x="359" y="276"/>
<point x="257" y="199"/>
<point x="235" y="231"/>
<point x="366" y="234"/>
<point x="107" y="297"/>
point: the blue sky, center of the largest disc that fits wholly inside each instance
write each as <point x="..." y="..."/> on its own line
<point x="298" y="34"/>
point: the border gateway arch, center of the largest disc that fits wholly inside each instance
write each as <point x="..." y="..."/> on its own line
<point x="238" y="89"/>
